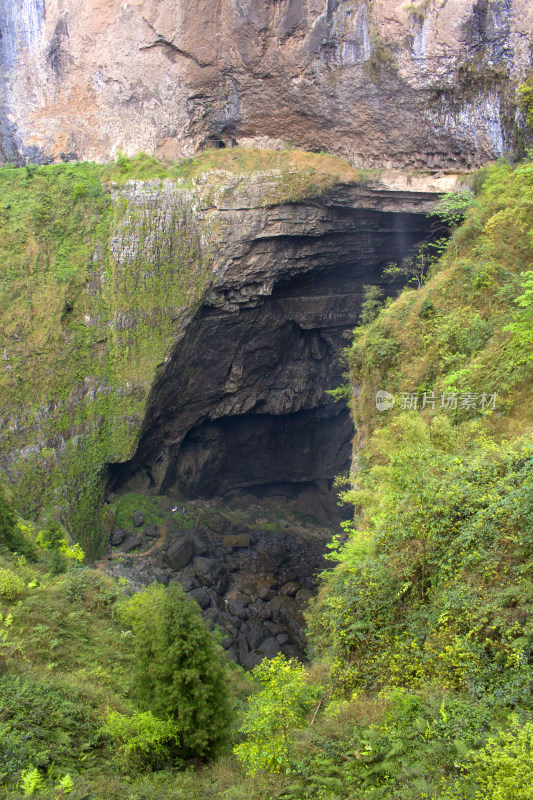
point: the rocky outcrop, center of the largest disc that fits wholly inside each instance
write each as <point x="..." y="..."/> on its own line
<point x="208" y="321"/>
<point x="427" y="84"/>
<point x="241" y="407"/>
<point x="254" y="596"/>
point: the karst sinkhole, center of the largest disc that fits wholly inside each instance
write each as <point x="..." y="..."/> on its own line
<point x="241" y="409"/>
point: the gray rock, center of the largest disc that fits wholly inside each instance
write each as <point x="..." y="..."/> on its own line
<point x="269" y="648"/>
<point x="287" y="612"/>
<point x="243" y="647"/>
<point x="187" y="581"/>
<point x="200" y="547"/>
<point x="204" y="569"/>
<point x="256" y="634"/>
<point x="290" y="589"/>
<point x="303" y="596"/>
<point x="179" y="553"/>
<point x="138" y="519"/>
<point x="233" y="653"/>
<point x="290" y="650"/>
<point x="211" y="573"/>
<point x="162" y="576"/>
<point x="264" y="589"/>
<point x="260" y="610"/>
<point x="275" y="628"/>
<point x="165" y="504"/>
<point x="236" y="609"/>
<point x="226" y="642"/>
<point x="252" y="660"/>
<point x="131" y="542"/>
<point x="151" y="531"/>
<point x="201" y="596"/>
<point x="222" y="582"/>
<point x="117" y="537"/>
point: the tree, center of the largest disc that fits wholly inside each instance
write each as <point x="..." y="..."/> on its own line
<point x="450" y="212"/>
<point x="11" y="532"/>
<point x="371" y="304"/>
<point x="522" y="325"/>
<point x="55" y="538"/>
<point x="274" y="713"/>
<point x="8" y="520"/>
<point x="413" y="267"/>
<point x="179" y="673"/>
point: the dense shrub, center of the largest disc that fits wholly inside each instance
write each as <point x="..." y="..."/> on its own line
<point x="179" y="673"/>
<point x="274" y="713"/>
<point x="11" y="586"/>
<point x="43" y="723"/>
<point x="141" y="739"/>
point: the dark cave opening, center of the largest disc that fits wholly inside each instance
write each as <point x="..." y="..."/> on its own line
<point x="242" y="409"/>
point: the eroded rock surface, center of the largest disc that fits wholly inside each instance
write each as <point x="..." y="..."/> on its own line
<point x="423" y="85"/>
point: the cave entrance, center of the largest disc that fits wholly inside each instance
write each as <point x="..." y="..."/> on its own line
<point x="242" y="410"/>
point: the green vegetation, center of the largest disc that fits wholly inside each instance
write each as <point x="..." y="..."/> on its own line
<point x="525" y="96"/>
<point x="274" y="714"/>
<point x="178" y="672"/>
<point x="420" y="680"/>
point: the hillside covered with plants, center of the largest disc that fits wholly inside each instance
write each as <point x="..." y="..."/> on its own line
<point x="420" y="674"/>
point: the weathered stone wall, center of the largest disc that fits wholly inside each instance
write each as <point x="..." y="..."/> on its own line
<point x="428" y="84"/>
<point x="98" y="357"/>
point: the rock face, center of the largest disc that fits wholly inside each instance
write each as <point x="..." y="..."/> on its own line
<point x="386" y="83"/>
<point x="210" y="317"/>
<point x="242" y="405"/>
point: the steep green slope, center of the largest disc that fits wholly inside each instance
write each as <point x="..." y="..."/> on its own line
<point x="433" y="591"/>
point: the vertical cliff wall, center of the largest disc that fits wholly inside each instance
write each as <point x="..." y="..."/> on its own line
<point x="428" y="84"/>
<point x="157" y="323"/>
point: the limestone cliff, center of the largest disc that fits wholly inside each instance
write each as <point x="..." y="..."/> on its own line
<point x="167" y="326"/>
<point x="428" y="84"/>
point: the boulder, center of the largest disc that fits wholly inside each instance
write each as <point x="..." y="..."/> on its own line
<point x="269" y="648"/>
<point x="187" y="581"/>
<point x="256" y="633"/>
<point x="260" y="610"/>
<point x="161" y="576"/>
<point x="179" y="553"/>
<point x="303" y="596"/>
<point x="290" y="588"/>
<point x="264" y="590"/>
<point x="138" y="519"/>
<point x="200" y="547"/>
<point x="165" y="504"/>
<point x="243" y="647"/>
<point x="118" y="536"/>
<point x="290" y="650"/>
<point x="201" y="596"/>
<point x="211" y="573"/>
<point x="287" y="612"/>
<point x="275" y="628"/>
<point x="235" y="608"/>
<point x="252" y="660"/>
<point x="233" y="653"/>
<point x="151" y="531"/>
<point x="131" y="542"/>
